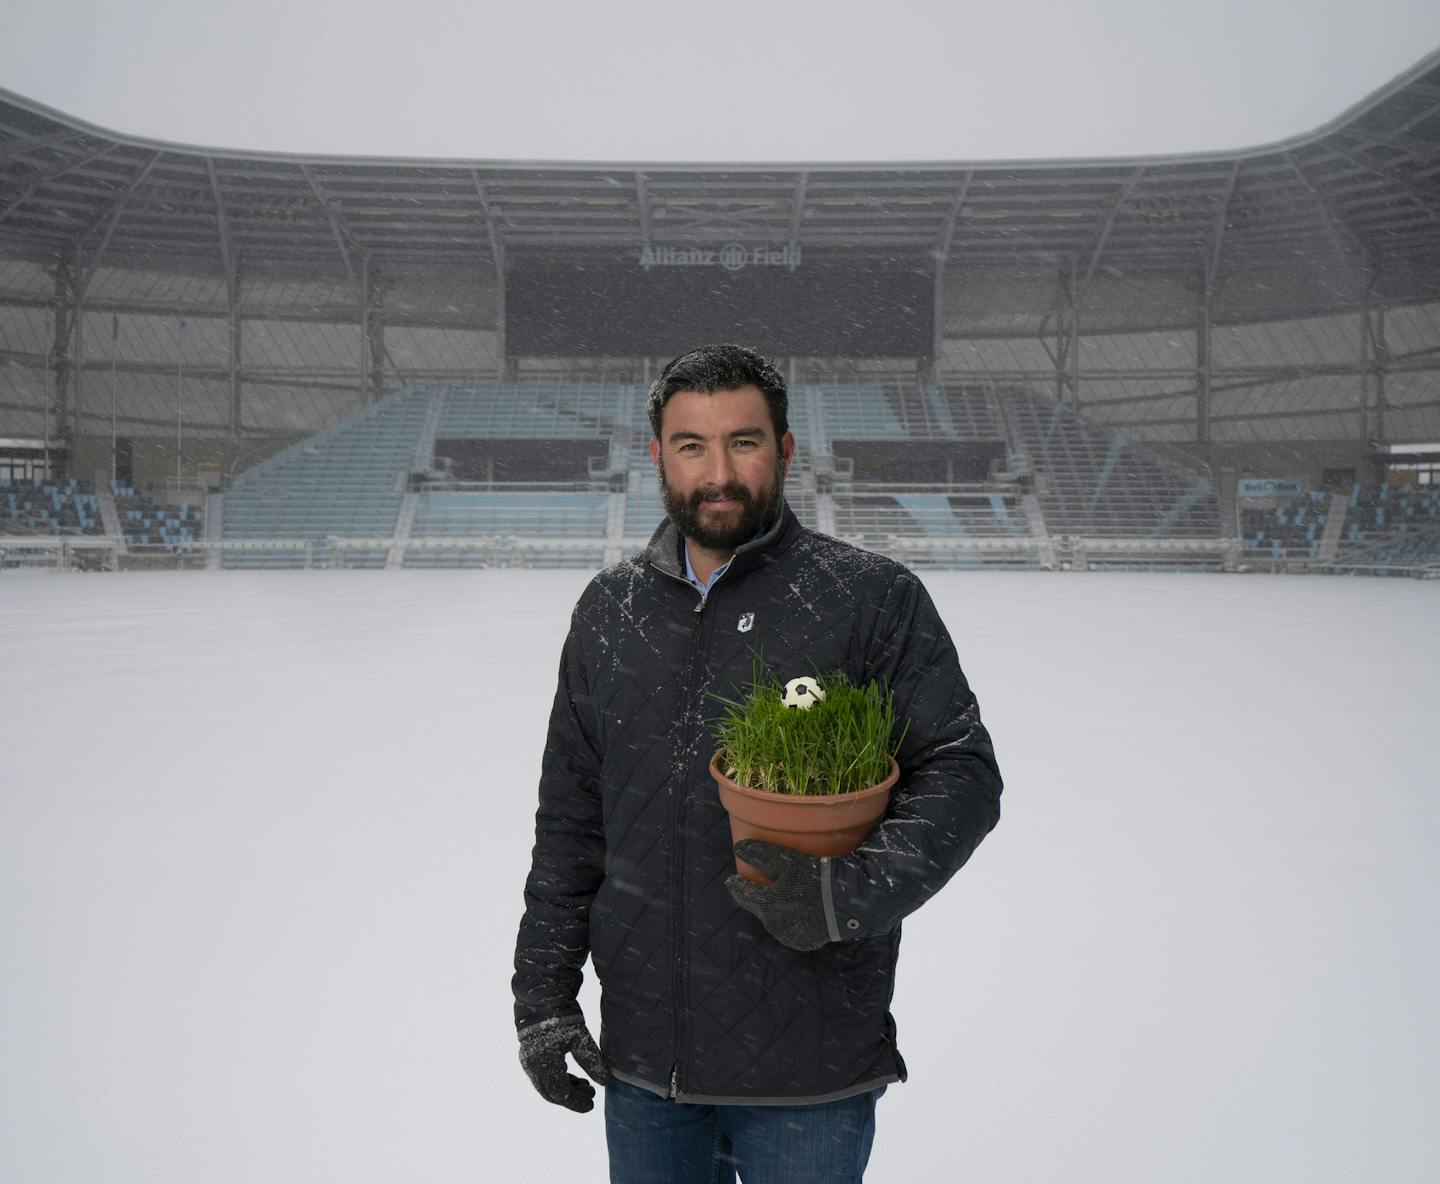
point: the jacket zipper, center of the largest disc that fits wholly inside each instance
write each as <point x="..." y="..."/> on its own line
<point x="677" y="886"/>
<point x="677" y="882"/>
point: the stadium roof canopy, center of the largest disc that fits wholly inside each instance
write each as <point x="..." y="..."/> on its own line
<point x="1365" y="187"/>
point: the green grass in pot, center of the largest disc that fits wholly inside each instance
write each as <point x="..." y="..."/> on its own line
<point x="839" y="745"/>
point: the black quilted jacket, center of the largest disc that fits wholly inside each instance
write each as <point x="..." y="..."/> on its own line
<point x="632" y="846"/>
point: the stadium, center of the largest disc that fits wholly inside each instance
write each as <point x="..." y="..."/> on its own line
<point x="1222" y="362"/>
<point x="265" y="822"/>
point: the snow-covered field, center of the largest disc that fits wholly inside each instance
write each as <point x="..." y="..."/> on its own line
<point x="263" y="835"/>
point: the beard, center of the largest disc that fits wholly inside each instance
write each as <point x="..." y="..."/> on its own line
<point x="731" y="531"/>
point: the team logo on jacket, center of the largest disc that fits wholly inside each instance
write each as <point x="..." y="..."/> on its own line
<point x="745" y="622"/>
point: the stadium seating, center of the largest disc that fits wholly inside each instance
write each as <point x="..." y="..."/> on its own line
<point x="1389" y="530"/>
<point x="1291" y="529"/>
<point x="41" y="508"/>
<point x="643" y="509"/>
<point x="1095" y="483"/>
<point x="529" y="514"/>
<point x="536" y="410"/>
<point x="1383" y="526"/>
<point x="933" y="515"/>
<point x="349" y="480"/>
<point x="147" y="523"/>
<point x="1381" y="512"/>
<point x="1401" y="556"/>
<point x="375" y="476"/>
<point x="856" y="411"/>
<point x="973" y="412"/>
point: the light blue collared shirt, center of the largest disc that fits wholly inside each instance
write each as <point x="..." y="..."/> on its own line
<point x="690" y="575"/>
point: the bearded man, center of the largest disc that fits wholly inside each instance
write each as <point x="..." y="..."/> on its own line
<point x="742" y="1030"/>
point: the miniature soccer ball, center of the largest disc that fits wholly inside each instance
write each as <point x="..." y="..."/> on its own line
<point x="803" y="692"/>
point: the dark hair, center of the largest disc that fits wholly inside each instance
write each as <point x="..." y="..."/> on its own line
<point x="712" y="368"/>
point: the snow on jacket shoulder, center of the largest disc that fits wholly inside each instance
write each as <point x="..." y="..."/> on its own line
<point x="632" y="847"/>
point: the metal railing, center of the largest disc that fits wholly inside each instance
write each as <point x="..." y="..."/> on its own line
<point x="1052" y="553"/>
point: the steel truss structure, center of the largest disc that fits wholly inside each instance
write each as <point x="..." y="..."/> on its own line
<point x="1284" y="292"/>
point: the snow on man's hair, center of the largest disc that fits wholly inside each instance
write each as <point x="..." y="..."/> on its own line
<point x="712" y="368"/>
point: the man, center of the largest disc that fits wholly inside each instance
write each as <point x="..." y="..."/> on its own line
<point x="742" y="1028"/>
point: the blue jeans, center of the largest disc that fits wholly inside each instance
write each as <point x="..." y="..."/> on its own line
<point x="655" y="1140"/>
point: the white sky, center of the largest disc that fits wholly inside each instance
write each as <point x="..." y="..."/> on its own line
<point x="263" y="838"/>
<point x="753" y="80"/>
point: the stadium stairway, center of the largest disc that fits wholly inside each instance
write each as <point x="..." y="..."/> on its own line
<point x="404" y="527"/>
<point x="1334" y="528"/>
<point x="109" y="514"/>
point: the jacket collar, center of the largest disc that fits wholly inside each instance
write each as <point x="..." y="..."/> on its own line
<point x="663" y="551"/>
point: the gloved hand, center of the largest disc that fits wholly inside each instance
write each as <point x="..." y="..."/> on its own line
<point x="792" y="909"/>
<point x="542" y="1055"/>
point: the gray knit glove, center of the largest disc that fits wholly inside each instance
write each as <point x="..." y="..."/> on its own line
<point x="793" y="908"/>
<point x="542" y="1055"/>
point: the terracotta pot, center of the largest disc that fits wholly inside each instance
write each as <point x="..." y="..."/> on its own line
<point x="830" y="824"/>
